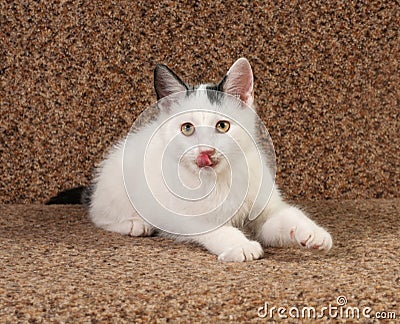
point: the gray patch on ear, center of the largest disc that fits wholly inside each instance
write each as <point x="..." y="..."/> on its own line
<point x="166" y="82"/>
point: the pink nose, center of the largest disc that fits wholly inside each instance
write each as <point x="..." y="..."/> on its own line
<point x="204" y="158"/>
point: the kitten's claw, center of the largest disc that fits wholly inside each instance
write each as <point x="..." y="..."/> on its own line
<point x="249" y="251"/>
<point x="311" y="236"/>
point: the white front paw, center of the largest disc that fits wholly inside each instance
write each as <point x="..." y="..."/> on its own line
<point x="311" y="236"/>
<point x="140" y="228"/>
<point x="249" y="251"/>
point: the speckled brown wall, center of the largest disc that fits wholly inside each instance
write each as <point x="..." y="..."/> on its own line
<point x="74" y="76"/>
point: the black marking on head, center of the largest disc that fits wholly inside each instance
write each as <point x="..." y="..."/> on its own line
<point x="214" y="95"/>
<point x="190" y="90"/>
<point x="215" y="91"/>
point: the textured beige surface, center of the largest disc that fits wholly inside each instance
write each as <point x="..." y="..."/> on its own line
<point x="74" y="76"/>
<point x="56" y="266"/>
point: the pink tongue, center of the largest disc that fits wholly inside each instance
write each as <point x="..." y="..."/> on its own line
<point x="203" y="160"/>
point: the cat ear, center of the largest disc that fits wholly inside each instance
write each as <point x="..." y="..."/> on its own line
<point x="167" y="82"/>
<point x="239" y="81"/>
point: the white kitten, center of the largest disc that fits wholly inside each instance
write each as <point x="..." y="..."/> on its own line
<point x="198" y="157"/>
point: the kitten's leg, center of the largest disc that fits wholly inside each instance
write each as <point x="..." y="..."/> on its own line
<point x="290" y="225"/>
<point x="135" y="226"/>
<point x="230" y="244"/>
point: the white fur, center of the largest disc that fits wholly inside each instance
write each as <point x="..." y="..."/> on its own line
<point x="278" y="224"/>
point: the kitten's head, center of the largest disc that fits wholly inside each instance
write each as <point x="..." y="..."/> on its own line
<point x="211" y="122"/>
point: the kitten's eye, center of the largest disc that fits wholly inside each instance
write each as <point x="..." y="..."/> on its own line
<point x="223" y="126"/>
<point x="187" y="129"/>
